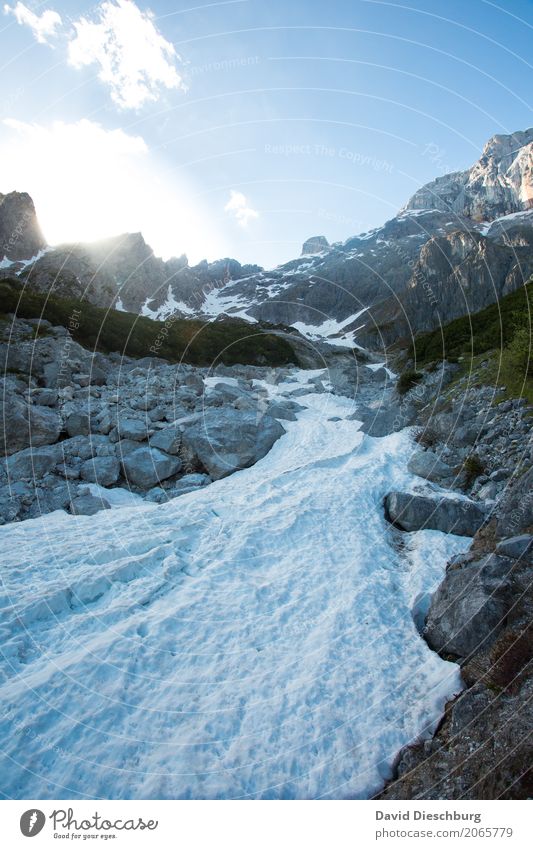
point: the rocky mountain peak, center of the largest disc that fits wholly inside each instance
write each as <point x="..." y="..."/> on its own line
<point x="499" y="183"/>
<point x="20" y="234"/>
<point x="315" y="245"/>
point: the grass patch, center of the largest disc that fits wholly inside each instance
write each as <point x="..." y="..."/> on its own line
<point x="194" y="341"/>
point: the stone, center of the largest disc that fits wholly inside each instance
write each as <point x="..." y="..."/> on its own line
<point x="519" y="547"/>
<point x="168" y="440"/>
<point x="427" y="465"/>
<point x="104" y="471"/>
<point x="188" y="483"/>
<point x="413" y="512"/>
<point x="32" y="463"/>
<point x="470" y="606"/>
<point x="88" y="505"/>
<point x="146" y="467"/>
<point x="78" y="424"/>
<point x="223" y="441"/>
<point x="132" y="429"/>
<point x="44" y="397"/>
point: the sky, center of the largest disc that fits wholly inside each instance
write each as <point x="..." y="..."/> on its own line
<point x="241" y="128"/>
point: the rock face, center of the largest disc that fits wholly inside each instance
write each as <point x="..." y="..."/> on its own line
<point x="315" y="245"/>
<point x="20" y="234"/>
<point x="500" y="183"/>
<point x="450" y="515"/>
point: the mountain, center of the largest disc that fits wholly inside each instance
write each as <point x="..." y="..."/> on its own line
<point x="20" y="234"/>
<point x="459" y="244"/>
<point x="500" y="183"/>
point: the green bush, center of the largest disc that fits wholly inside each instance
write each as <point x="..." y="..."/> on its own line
<point x="473" y="468"/>
<point x="518" y="355"/>
<point x="407" y="380"/>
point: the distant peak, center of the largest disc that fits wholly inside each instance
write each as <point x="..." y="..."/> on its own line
<point x="315" y="245"/>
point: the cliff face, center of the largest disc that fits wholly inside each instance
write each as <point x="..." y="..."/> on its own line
<point x="20" y="234"/>
<point x="500" y="182"/>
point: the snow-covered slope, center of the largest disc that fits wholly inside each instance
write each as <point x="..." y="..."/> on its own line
<point x="255" y="638"/>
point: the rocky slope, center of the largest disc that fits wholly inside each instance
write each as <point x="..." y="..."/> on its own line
<point x="480" y="616"/>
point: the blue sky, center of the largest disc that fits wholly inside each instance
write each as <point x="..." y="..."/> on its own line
<point x="241" y="128"/>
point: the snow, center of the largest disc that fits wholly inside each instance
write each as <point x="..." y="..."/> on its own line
<point x="254" y="638"/>
<point x="168" y="308"/>
<point x="329" y="329"/>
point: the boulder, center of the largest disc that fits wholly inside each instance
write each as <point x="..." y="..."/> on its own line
<point x="101" y="470"/>
<point x="519" y="548"/>
<point x="413" y="512"/>
<point x="223" y="441"/>
<point x="167" y="440"/>
<point x="470" y="606"/>
<point x="146" y="467"/>
<point x="188" y="483"/>
<point x="88" y="505"/>
<point x="427" y="465"/>
<point x="22" y="425"/>
<point x="78" y="424"/>
<point x="32" y="463"/>
<point x="132" y="429"/>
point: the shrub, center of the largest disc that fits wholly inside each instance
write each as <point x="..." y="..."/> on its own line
<point x="407" y="380"/>
<point x="519" y="354"/>
<point x="473" y="468"/>
<point x="427" y="437"/>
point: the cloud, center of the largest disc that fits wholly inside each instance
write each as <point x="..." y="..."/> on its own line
<point x="89" y="182"/>
<point x="43" y="26"/>
<point x="135" y="60"/>
<point x="238" y="207"/>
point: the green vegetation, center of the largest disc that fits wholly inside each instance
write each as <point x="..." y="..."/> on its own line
<point x="493" y="346"/>
<point x="193" y="341"/>
<point x="473" y="468"/>
<point x="407" y="380"/>
<point x="493" y="327"/>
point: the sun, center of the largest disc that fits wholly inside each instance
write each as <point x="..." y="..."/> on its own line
<point x="90" y="183"/>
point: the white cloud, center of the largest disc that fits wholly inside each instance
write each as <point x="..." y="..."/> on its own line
<point x="43" y="26"/>
<point x="135" y="60"/>
<point x="238" y="207"/>
<point x="89" y="182"/>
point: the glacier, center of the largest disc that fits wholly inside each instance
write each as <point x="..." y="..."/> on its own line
<point x="253" y="639"/>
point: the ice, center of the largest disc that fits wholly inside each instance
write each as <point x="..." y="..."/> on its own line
<point x="252" y="639"/>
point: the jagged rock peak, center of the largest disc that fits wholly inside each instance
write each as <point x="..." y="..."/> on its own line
<point x="499" y="183"/>
<point x="20" y="234"/>
<point x="315" y="245"/>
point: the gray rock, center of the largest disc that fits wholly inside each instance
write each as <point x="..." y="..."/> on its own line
<point x="223" y="441"/>
<point x="146" y="467"/>
<point x="24" y="425"/>
<point x="188" y="483"/>
<point x="132" y="429"/>
<point x="427" y="465"/>
<point x="519" y="548"/>
<point x="78" y="424"/>
<point x="88" y="505"/>
<point x="101" y="470"/>
<point x="450" y="515"/>
<point x="286" y="411"/>
<point x="32" y="463"/>
<point x="44" y="397"/>
<point x="167" y="440"/>
<point x="470" y="606"/>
